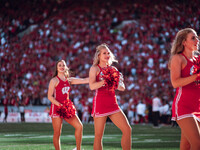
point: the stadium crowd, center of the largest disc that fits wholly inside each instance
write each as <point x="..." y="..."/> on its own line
<point x="35" y="34"/>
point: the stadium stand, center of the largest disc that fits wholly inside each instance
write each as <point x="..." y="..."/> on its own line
<point x="35" y="34"/>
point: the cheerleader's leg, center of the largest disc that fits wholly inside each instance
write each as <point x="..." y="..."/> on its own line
<point x="57" y="127"/>
<point x="120" y="120"/>
<point x="190" y="132"/>
<point x="76" y="123"/>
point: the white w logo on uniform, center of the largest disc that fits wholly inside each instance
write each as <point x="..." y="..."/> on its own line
<point x="65" y="90"/>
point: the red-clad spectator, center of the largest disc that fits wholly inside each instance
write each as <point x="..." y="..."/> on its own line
<point x="13" y="101"/>
<point x="5" y="102"/>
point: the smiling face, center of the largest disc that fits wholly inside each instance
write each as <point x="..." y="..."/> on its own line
<point x="192" y="42"/>
<point x="61" y="67"/>
<point x="104" y="55"/>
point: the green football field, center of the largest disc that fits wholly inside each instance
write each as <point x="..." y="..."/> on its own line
<point x="38" y="136"/>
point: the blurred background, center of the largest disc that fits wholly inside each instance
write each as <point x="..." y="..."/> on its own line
<point x="35" y="34"/>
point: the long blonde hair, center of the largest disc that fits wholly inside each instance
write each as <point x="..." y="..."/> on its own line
<point x="66" y="69"/>
<point x="177" y="44"/>
<point x="98" y="52"/>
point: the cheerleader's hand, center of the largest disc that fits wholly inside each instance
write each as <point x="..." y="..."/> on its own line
<point x="103" y="82"/>
<point x="60" y="105"/>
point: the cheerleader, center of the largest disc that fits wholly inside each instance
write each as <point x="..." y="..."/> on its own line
<point x="105" y="103"/>
<point x="58" y="94"/>
<point x="186" y="104"/>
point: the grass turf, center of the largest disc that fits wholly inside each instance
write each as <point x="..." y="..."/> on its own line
<point x="39" y="136"/>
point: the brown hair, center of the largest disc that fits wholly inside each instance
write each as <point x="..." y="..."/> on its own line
<point x="66" y="69"/>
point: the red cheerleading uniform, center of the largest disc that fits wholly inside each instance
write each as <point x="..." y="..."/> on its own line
<point x="187" y="100"/>
<point x="61" y="94"/>
<point x="104" y="102"/>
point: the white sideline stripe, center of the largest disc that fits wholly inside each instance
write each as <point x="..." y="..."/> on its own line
<point x="145" y="141"/>
<point x="84" y="136"/>
<point x="24" y="145"/>
<point x="28" y="136"/>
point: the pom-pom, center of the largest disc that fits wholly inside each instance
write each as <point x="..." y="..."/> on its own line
<point x="67" y="110"/>
<point x="196" y="69"/>
<point x="196" y="62"/>
<point x="111" y="76"/>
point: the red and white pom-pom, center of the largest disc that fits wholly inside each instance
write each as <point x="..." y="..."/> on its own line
<point x="196" y="62"/>
<point x="111" y="76"/>
<point x="67" y="110"/>
<point x="196" y="69"/>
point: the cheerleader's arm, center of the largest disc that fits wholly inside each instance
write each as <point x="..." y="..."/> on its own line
<point x="175" y="72"/>
<point x="74" y="80"/>
<point x="52" y="85"/>
<point x="92" y="79"/>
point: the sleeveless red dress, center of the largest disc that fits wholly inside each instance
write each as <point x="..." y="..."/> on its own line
<point x="187" y="99"/>
<point x="105" y="101"/>
<point x="61" y="94"/>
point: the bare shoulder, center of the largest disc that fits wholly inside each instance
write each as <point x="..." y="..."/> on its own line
<point x="94" y="68"/>
<point x="54" y="80"/>
<point x="178" y="58"/>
